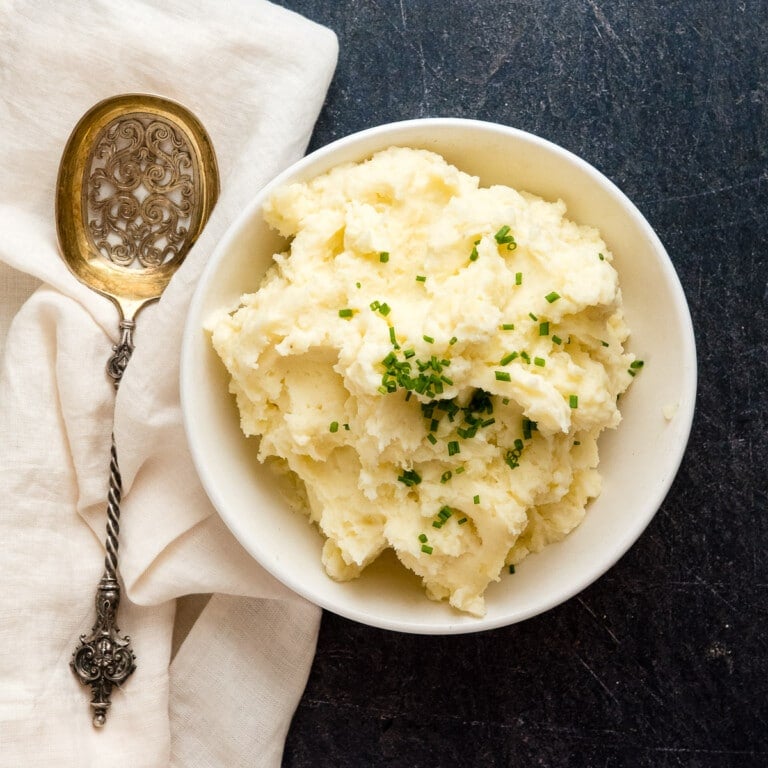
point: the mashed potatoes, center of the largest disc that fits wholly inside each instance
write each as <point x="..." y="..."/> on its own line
<point x="434" y="361"/>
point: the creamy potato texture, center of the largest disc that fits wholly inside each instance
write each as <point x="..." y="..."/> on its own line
<point x="435" y="361"/>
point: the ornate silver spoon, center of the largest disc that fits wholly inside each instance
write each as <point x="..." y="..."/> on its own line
<point x="137" y="182"/>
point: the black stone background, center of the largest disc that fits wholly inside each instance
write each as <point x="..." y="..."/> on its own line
<point x="661" y="662"/>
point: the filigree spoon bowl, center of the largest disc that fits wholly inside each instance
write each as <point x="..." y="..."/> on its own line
<point x="137" y="182"/>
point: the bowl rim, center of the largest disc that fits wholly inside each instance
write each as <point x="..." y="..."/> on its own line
<point x="686" y="407"/>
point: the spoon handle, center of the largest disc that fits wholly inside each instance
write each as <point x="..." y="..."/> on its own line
<point x="104" y="659"/>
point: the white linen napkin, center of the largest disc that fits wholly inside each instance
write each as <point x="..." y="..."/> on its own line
<point x="256" y="75"/>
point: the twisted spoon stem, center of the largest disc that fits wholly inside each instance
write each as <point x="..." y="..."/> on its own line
<point x="104" y="659"/>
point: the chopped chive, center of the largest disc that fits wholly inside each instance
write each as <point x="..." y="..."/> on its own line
<point x="444" y="513"/>
<point x="421" y="278"/>
<point x="604" y="343"/>
<point x="476" y="499"/>
<point x="392" y="337"/>
<point x="428" y="339"/>
<point x="505" y="400"/>
<point x="527" y="429"/>
<point x="446" y="476"/>
<point x="540" y="361"/>
<point x="637" y="364"/>
<point x="453" y="448"/>
<point x="503" y="376"/>
<point x="525" y="356"/>
<point x="409" y="477"/>
<point x="552" y="297"/>
<point x="508" y="358"/>
<point x="384" y="309"/>
<point x="601" y="257"/>
<point x="577" y="442"/>
<point x="409" y="353"/>
<point x="426" y="549"/>
<point x="452" y="340"/>
<point x="462" y="521"/>
<point x="507" y="327"/>
<point x="533" y="317"/>
<point x="345" y="313"/>
<point x="503" y="237"/>
<point x="437" y="523"/>
<point x="334" y="426"/>
<point x="374" y="305"/>
<point x="423" y="538"/>
<point x="474" y="255"/>
<point x="573" y="401"/>
<point x="432" y="439"/>
<point x="358" y="285"/>
<point x="556" y="339"/>
<point x="460" y="469"/>
<point x="518" y="278"/>
<point x="384" y="257"/>
<point x="632" y="372"/>
<point x="544" y="329"/>
<point x="511" y="568"/>
<point x="433" y="425"/>
<point x="346" y="426"/>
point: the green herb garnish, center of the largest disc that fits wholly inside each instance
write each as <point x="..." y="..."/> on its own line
<point x="508" y="358"/>
<point x="503" y="237"/>
<point x="409" y="477"/>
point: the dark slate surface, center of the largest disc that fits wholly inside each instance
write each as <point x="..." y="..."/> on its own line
<point x="662" y="662"/>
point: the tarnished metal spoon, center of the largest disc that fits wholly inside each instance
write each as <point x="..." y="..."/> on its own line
<point x="137" y="182"/>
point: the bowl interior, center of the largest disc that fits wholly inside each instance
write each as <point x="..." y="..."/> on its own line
<point x="638" y="461"/>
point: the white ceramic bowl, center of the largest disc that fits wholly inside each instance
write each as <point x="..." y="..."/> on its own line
<point x="638" y="461"/>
